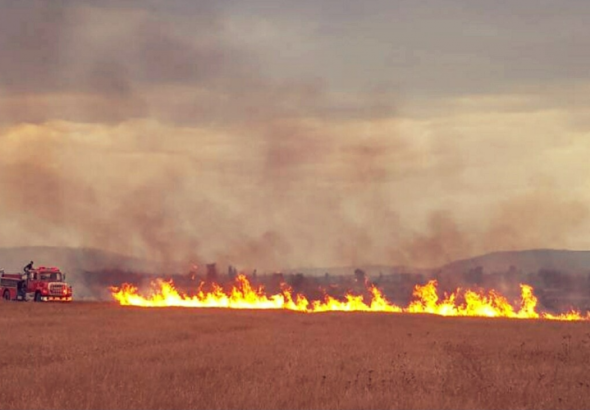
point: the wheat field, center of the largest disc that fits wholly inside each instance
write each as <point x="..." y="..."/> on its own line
<point x="102" y="356"/>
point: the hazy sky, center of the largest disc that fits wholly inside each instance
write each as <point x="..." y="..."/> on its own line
<point x="276" y="134"/>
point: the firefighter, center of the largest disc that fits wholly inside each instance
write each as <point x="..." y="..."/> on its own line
<point x="21" y="289"/>
<point x="27" y="275"/>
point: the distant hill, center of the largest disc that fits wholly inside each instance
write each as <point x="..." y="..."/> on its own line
<point x="68" y="259"/>
<point x="91" y="271"/>
<point x="372" y="271"/>
<point x="86" y="259"/>
<point x="527" y="261"/>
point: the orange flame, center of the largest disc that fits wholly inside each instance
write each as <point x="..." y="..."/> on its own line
<point x="243" y="295"/>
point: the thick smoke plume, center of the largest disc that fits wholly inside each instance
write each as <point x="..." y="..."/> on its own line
<point x="153" y="131"/>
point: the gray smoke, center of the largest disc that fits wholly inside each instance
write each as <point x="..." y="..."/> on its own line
<point x="132" y="127"/>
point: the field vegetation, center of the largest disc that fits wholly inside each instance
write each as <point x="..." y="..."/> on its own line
<point x="103" y="356"/>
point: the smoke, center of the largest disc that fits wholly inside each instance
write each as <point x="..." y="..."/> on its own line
<point x="538" y="212"/>
<point x="157" y="134"/>
<point x="443" y="242"/>
<point x="533" y="220"/>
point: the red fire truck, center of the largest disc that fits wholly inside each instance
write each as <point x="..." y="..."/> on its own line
<point x="42" y="284"/>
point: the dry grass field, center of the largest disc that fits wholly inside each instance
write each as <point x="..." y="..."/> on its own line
<point x="102" y="356"/>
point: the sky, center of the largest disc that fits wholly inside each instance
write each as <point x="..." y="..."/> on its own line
<point x="277" y="134"/>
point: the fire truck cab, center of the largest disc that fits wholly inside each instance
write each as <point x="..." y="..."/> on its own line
<point x="42" y="284"/>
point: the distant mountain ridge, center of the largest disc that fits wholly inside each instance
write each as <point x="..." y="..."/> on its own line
<point x="92" y="271"/>
<point x="370" y="270"/>
<point x="69" y="259"/>
<point x="77" y="260"/>
<point x="527" y="261"/>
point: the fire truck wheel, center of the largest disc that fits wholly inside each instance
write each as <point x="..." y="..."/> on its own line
<point x="6" y="295"/>
<point x="37" y="297"/>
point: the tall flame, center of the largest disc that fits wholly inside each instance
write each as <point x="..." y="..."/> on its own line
<point x="242" y="295"/>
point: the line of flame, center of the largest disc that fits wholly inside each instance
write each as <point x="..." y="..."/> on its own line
<point x="426" y="300"/>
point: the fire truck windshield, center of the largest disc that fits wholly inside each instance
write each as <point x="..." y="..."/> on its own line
<point x="50" y="276"/>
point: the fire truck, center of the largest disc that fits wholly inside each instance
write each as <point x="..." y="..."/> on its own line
<point x="41" y="284"/>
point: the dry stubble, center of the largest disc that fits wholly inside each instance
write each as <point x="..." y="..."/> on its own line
<point x="97" y="356"/>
